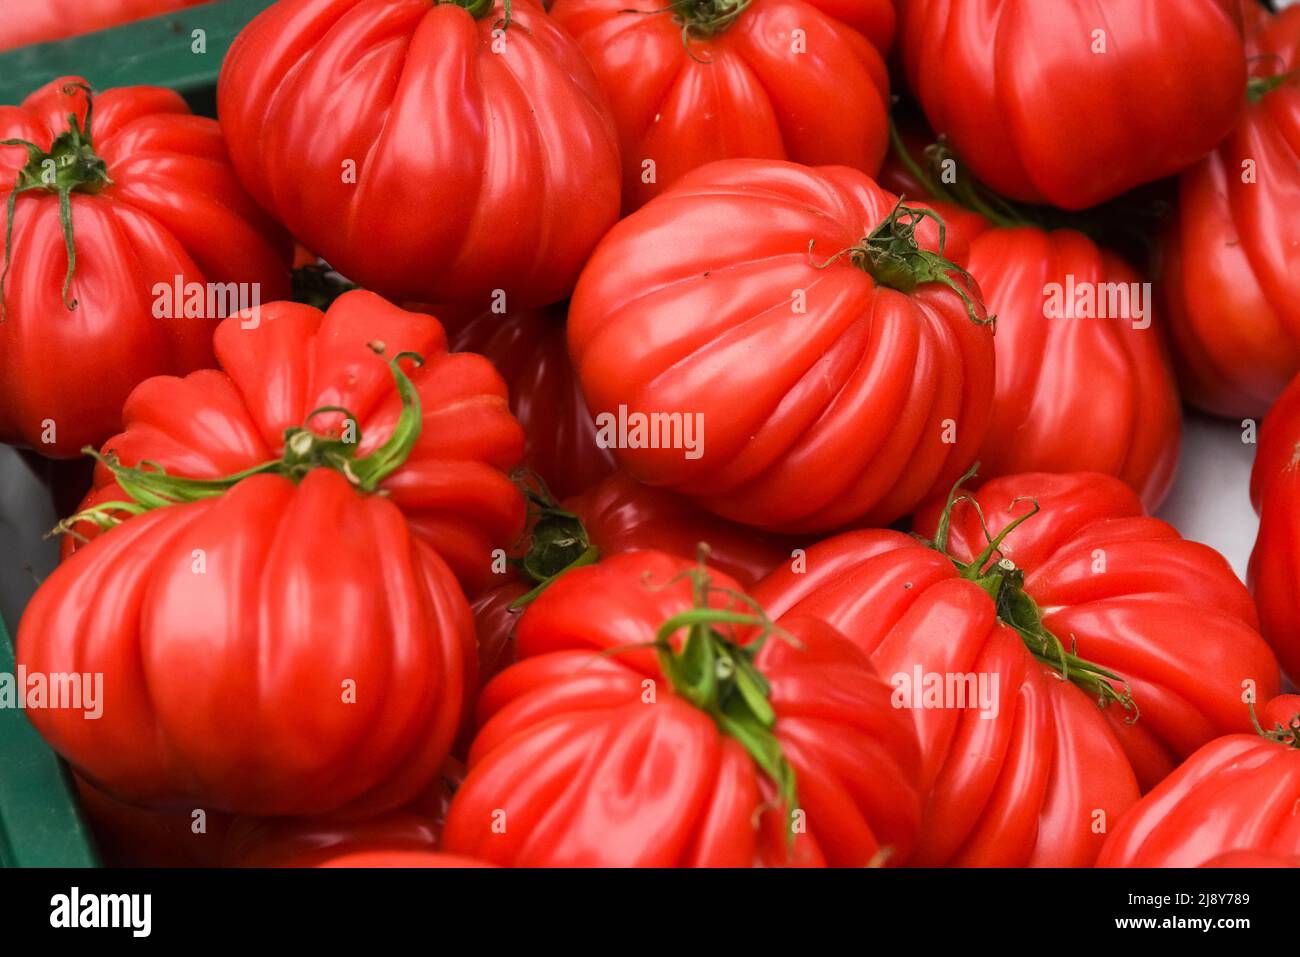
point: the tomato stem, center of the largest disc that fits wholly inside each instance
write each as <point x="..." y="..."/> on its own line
<point x="70" y="165"/>
<point x="1288" y="734"/>
<point x="558" y="541"/>
<point x="700" y="19"/>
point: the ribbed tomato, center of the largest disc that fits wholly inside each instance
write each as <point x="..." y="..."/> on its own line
<point x="1274" y="571"/>
<point x="428" y="151"/>
<point x="691" y="82"/>
<point x="1075" y="101"/>
<point x="87" y="301"/>
<point x="57" y="19"/>
<point x="281" y="365"/>
<point x="975" y="635"/>
<point x="1231" y="257"/>
<point x="657" y="718"/>
<point x="770" y="340"/>
<point x="1231" y="804"/>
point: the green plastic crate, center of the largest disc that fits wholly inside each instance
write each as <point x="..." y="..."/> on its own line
<point x="41" y="824"/>
<point x="154" y="52"/>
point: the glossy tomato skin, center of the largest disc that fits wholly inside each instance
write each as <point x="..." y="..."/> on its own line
<point x="56" y="19"/>
<point x="1230" y="273"/>
<point x="397" y="857"/>
<point x="1041" y="114"/>
<point x="528" y="347"/>
<point x="475" y="169"/>
<point x="1042" y="781"/>
<point x="622" y="515"/>
<point x="229" y="632"/>
<point x="591" y="769"/>
<point x="824" y="398"/>
<point x="174" y="212"/>
<point x="289" y="360"/>
<point x="1232" y="803"/>
<point x="1274" y="571"/>
<point x="1074" y="392"/>
<point x="755" y="89"/>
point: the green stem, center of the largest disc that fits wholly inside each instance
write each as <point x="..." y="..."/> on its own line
<point x="558" y="540"/>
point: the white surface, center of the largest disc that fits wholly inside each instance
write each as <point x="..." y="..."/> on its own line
<point x="1210" y="501"/>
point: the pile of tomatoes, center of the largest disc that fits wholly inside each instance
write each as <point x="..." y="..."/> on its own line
<point x="719" y="433"/>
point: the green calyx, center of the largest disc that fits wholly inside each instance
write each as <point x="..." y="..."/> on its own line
<point x="1004" y="582"/>
<point x="700" y="19"/>
<point x="69" y="166"/>
<point x="1286" y="734"/>
<point x="893" y="258"/>
<point x="716" y="674"/>
<point x="558" y="540"/>
<point x="318" y="286"/>
<point x="478" y="9"/>
<point x="149" y="487"/>
<point x="1258" y="87"/>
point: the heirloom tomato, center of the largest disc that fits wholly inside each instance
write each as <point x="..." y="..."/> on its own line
<point x="1003" y="641"/>
<point x="433" y="151"/>
<point x="286" y="366"/>
<point x="1230" y="276"/>
<point x="1274" y="571"/>
<point x="1231" y="804"/>
<point x="1083" y="377"/>
<point x="115" y="207"/>
<point x="693" y="81"/>
<point x="25" y="23"/>
<point x="280" y="642"/>
<point x="658" y="717"/>
<point x="1075" y="101"/>
<point x="130" y="836"/>
<point x="787" y="346"/>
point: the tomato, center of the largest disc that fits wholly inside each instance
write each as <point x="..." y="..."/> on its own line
<point x="128" y="836"/>
<point x="1073" y="102"/>
<point x="816" y="377"/>
<point x="1083" y="377"/>
<point x="398" y="857"/>
<point x="287" y="360"/>
<point x="691" y="82"/>
<point x="1274" y="571"/>
<point x="275" y="842"/>
<point x="1155" y="628"/>
<point x="57" y="19"/>
<point x="152" y="204"/>
<point x="1230" y="274"/>
<point x="281" y="643"/>
<point x="528" y="348"/>
<point x="616" y="516"/>
<point x="428" y="151"/>
<point x="613" y="743"/>
<point x="1232" y="803"/>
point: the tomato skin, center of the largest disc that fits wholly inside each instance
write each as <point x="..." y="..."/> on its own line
<point x="454" y="488"/>
<point x="227" y="687"/>
<point x="1056" y="122"/>
<point x="830" y="416"/>
<point x="397" y="857"/>
<point x="1021" y="789"/>
<point x="57" y="19"/>
<point x="174" y="212"/>
<point x="1232" y="803"/>
<point x="528" y="347"/>
<point x="475" y="170"/>
<point x="744" y="92"/>
<point x="129" y="836"/>
<point x="1231" y="255"/>
<point x="1274" y="569"/>
<point x="590" y="775"/>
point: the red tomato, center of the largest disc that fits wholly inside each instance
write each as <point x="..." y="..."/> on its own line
<point x="280" y="649"/>
<point x="1231" y="257"/>
<point x="398" y="857"/>
<point x="1083" y="379"/>
<point x="281" y="364"/>
<point x="426" y="151"/>
<point x="277" y="842"/>
<point x="600" y="750"/>
<point x="771" y="79"/>
<point x="528" y="348"/>
<point x="1274" y="571"/>
<point x="1076" y="101"/>
<point x="152" y="202"/>
<point x="1231" y="804"/>
<point x="619" y="515"/>
<point x="129" y="836"/>
<point x="1041" y="780"/>
<point x="827" y="378"/>
<point x="25" y="23"/>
